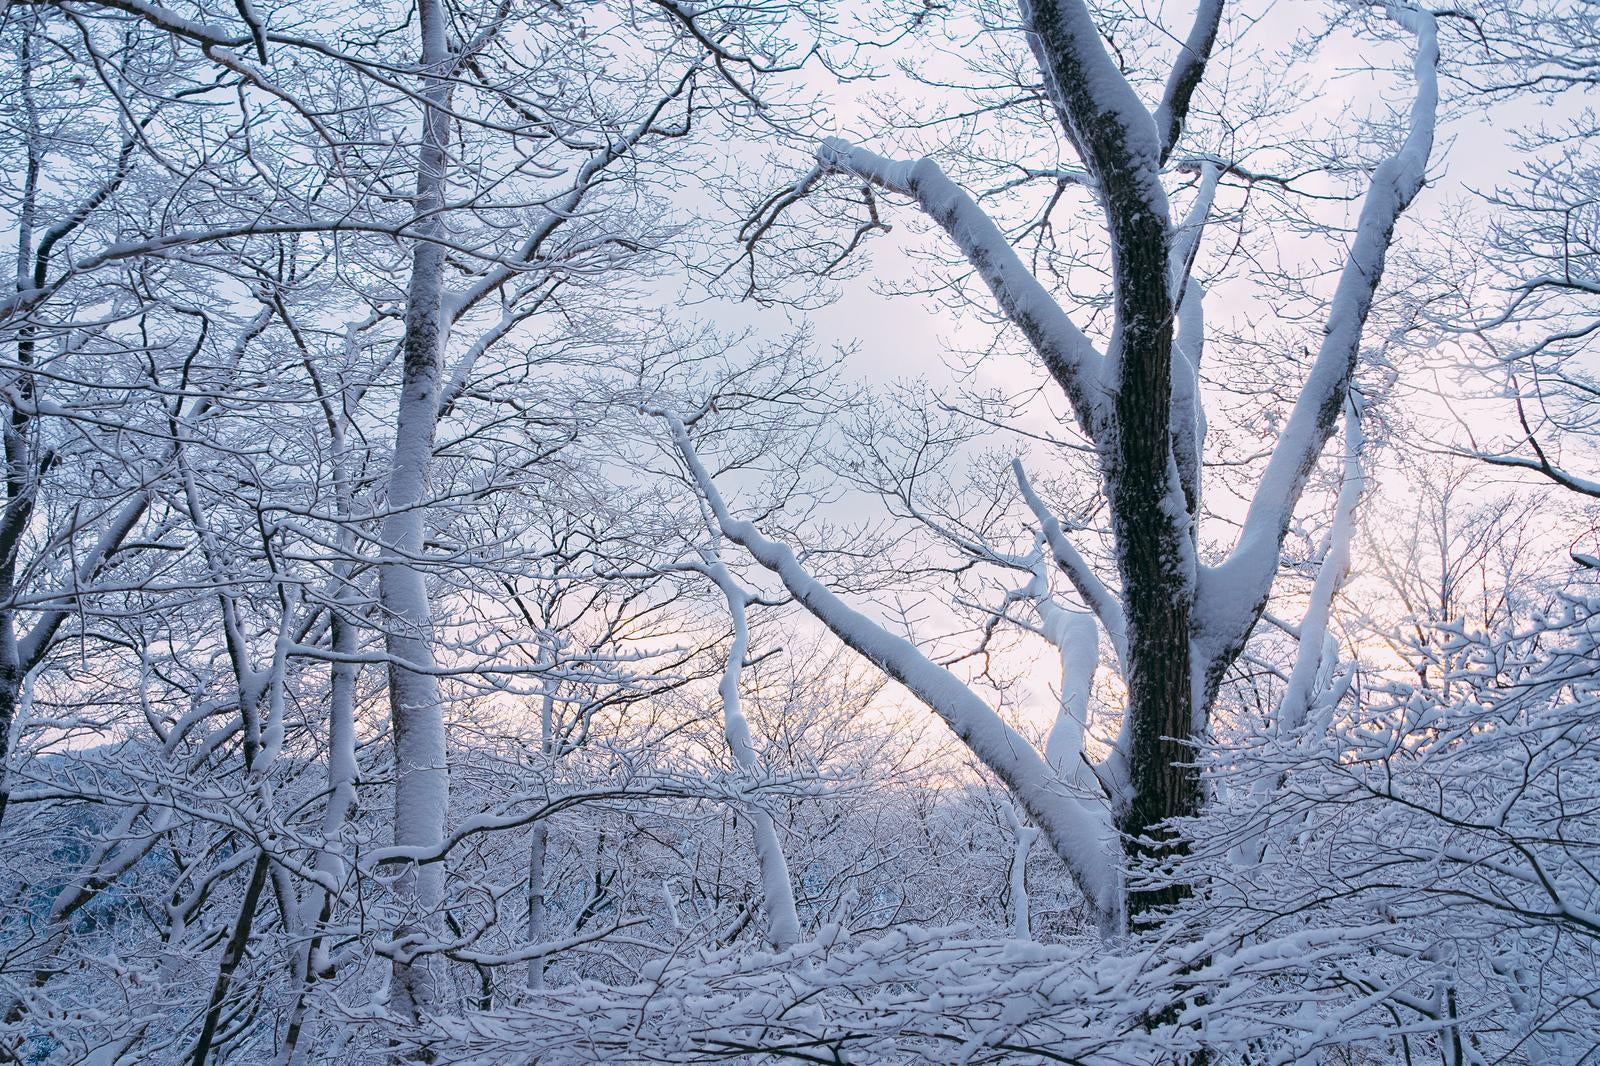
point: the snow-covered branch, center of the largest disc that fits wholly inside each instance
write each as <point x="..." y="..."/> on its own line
<point x="1078" y="828"/>
<point x="1233" y="593"/>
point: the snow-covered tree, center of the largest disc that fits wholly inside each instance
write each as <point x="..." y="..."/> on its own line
<point x="1177" y="616"/>
<point x="465" y="596"/>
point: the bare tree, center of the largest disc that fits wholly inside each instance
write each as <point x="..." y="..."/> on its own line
<point x="1181" y="620"/>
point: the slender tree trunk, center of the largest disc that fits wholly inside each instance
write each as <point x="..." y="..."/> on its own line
<point x="538" y="852"/>
<point x="10" y="700"/>
<point x="19" y="482"/>
<point x="341" y="801"/>
<point x="232" y="956"/>
<point x="421" y="776"/>
<point x="539" y="843"/>
<point x="1023" y="837"/>
<point x="783" y="920"/>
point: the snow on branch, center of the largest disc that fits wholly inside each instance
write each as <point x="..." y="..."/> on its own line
<point x="1079" y="829"/>
<point x="1233" y="593"/>
<point x="1186" y="74"/>
<point x="1068" y="354"/>
<point x="1099" y="110"/>
<point x="1313" y="658"/>
<point x="1107" y="607"/>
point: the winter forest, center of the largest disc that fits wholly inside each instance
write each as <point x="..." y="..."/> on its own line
<point x="813" y="531"/>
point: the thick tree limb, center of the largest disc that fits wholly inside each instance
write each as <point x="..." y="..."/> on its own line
<point x="1067" y="353"/>
<point x="1233" y="594"/>
<point x="1079" y="829"/>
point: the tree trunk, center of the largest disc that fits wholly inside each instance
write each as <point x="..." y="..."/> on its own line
<point x="421" y="776"/>
<point x="232" y="956"/>
<point x="1151" y="524"/>
<point x="538" y="852"/>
